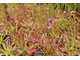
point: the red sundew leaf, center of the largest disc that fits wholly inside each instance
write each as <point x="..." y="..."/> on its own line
<point x="18" y="51"/>
<point x="30" y="51"/>
<point x="63" y="54"/>
<point x="27" y="13"/>
<point x="55" y="28"/>
<point x="37" y="40"/>
<point x="54" y="55"/>
<point x="31" y="32"/>
<point x="79" y="30"/>
<point x="33" y="50"/>
<point x="17" y="31"/>
<point x="24" y="9"/>
<point x="23" y="42"/>
<point x="29" y="54"/>
<point x="34" y="39"/>
<point x="40" y="44"/>
<point x="28" y="43"/>
<point x="43" y="21"/>
<point x="10" y="23"/>
<point x="8" y="35"/>
<point x="36" y="27"/>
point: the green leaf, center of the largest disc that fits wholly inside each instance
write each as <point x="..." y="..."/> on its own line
<point x="21" y="48"/>
<point x="72" y="5"/>
<point x="12" y="29"/>
<point x="8" y="50"/>
<point x="0" y="39"/>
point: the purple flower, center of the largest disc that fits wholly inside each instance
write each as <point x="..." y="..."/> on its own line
<point x="49" y="28"/>
<point x="49" y="20"/>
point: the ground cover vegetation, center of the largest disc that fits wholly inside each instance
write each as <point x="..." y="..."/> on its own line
<point x="39" y="29"/>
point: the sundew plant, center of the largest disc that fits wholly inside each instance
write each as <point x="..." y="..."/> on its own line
<point x="39" y="29"/>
